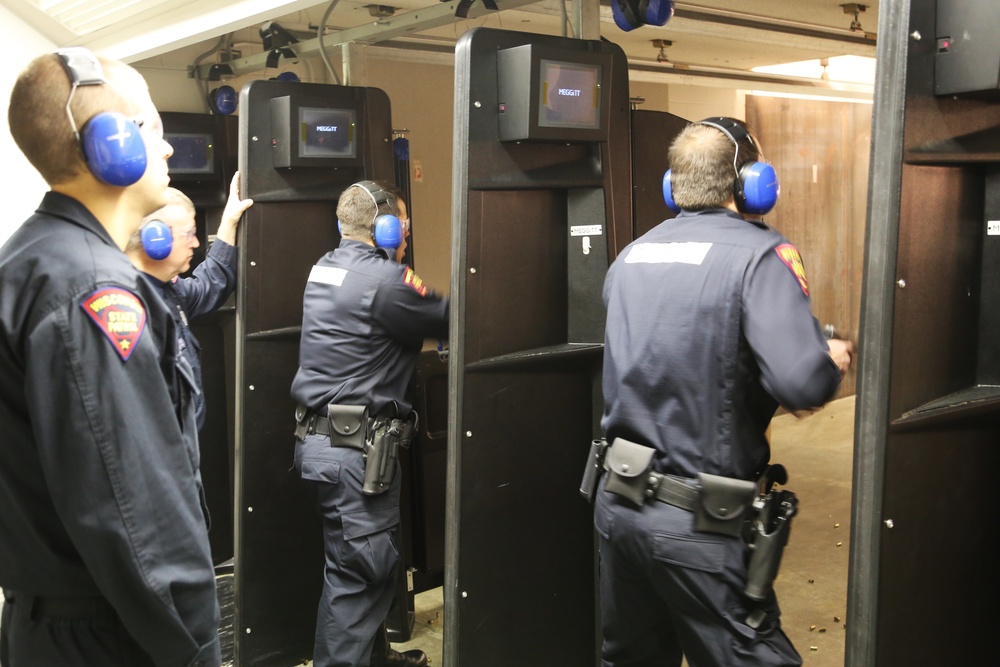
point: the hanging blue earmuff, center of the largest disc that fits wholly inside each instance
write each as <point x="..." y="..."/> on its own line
<point x="111" y="143"/>
<point x="157" y="239"/>
<point x="387" y="230"/>
<point x="223" y="100"/>
<point x="632" y="14"/>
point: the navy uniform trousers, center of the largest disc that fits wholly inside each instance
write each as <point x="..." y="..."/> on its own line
<point x="362" y="557"/>
<point x="668" y="591"/>
<point x="39" y="630"/>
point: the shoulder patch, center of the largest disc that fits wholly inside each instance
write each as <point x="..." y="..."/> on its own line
<point x="413" y="280"/>
<point x="119" y="314"/>
<point x="789" y="254"/>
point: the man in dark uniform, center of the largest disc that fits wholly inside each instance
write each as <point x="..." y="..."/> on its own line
<point x="365" y="318"/>
<point x="105" y="557"/>
<point x="709" y="329"/>
<point x="210" y="284"/>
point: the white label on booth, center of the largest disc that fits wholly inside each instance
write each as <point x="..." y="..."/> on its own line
<point x="993" y="227"/>
<point x="585" y="230"/>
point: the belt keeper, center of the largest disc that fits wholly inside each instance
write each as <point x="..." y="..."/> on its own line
<point x="652" y="484"/>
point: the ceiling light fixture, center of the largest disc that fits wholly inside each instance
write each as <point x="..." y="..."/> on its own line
<point x="855" y="8"/>
<point x="662" y="45"/>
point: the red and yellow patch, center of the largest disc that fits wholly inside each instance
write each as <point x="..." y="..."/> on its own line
<point x="414" y="281"/>
<point x="119" y="314"/>
<point x="790" y="256"/>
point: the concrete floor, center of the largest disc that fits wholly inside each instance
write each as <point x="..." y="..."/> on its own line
<point x="812" y="586"/>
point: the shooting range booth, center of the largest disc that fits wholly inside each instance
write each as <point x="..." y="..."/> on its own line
<point x="301" y="145"/>
<point x="542" y="203"/>
<point x="923" y="573"/>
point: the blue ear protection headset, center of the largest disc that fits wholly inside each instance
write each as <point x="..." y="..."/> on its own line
<point x="111" y="143"/>
<point x="755" y="188"/>
<point x="157" y="239"/>
<point x="632" y="14"/>
<point x="387" y="230"/>
<point x="223" y="100"/>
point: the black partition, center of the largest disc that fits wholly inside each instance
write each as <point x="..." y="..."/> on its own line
<point x="541" y="205"/>
<point x="652" y="134"/>
<point x="278" y="563"/>
<point x="928" y="406"/>
<point x="204" y="160"/>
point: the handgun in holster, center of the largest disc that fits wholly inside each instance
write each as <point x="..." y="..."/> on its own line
<point x="382" y="451"/>
<point x="769" y="534"/>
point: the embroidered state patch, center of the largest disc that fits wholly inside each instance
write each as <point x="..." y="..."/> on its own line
<point x="789" y="254"/>
<point x="414" y="281"/>
<point x="119" y="314"/>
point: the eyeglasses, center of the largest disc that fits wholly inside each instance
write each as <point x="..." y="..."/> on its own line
<point x="405" y="222"/>
<point x="188" y="234"/>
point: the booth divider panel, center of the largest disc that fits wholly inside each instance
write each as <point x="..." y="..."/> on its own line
<point x="516" y="299"/>
<point x="525" y="571"/>
<point x="278" y="566"/>
<point x="520" y="554"/>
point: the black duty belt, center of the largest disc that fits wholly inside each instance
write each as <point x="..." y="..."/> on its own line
<point x="677" y="491"/>
<point x="316" y="424"/>
<point x="64" y="607"/>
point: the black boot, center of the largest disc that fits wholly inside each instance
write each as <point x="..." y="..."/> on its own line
<point x="384" y="656"/>
<point x="412" y="658"/>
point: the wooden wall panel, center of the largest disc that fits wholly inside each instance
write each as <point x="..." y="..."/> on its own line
<point x="820" y="151"/>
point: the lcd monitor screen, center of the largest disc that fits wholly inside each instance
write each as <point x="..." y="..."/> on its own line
<point x="193" y="153"/>
<point x="327" y="133"/>
<point x="569" y="95"/>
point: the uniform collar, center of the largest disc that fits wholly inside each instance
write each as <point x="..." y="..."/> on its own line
<point x="71" y="210"/>
<point x="362" y="248"/>
<point x="724" y="212"/>
<point x="710" y="211"/>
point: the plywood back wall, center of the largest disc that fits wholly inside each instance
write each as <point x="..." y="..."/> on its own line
<point x="820" y="151"/>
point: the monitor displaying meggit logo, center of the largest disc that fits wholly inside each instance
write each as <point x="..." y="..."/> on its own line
<point x="569" y="95"/>
<point x="327" y="132"/>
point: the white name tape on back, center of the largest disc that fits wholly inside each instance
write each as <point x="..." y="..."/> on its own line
<point x="328" y="275"/>
<point x="668" y="253"/>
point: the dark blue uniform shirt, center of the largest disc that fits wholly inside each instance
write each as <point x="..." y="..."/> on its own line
<point x="99" y="483"/>
<point x="208" y="287"/>
<point x="364" y="321"/>
<point x="709" y="329"/>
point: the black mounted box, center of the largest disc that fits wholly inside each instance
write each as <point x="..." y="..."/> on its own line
<point x="309" y="132"/>
<point x="967" y="56"/>
<point x="548" y="94"/>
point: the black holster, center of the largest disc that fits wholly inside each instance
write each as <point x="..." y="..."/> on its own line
<point x="382" y="451"/>
<point x="769" y="535"/>
<point x="592" y="471"/>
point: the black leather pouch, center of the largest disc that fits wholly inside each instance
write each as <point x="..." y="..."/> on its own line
<point x="348" y="425"/>
<point x="723" y="504"/>
<point x="627" y="464"/>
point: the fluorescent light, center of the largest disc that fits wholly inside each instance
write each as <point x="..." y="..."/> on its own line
<point x="83" y="17"/>
<point x="854" y="69"/>
<point x="800" y="96"/>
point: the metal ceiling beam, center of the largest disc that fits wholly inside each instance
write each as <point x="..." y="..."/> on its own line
<point x="744" y="27"/>
<point x="379" y="30"/>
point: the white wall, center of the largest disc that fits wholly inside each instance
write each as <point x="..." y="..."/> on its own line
<point x="22" y="187"/>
